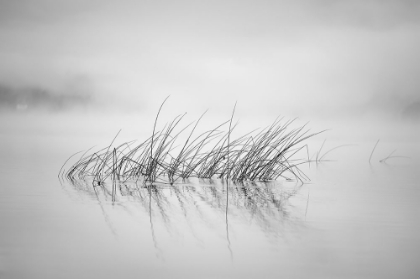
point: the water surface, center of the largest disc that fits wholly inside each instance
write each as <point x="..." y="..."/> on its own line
<point x="353" y="219"/>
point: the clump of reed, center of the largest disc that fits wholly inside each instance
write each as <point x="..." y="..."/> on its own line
<point x="257" y="156"/>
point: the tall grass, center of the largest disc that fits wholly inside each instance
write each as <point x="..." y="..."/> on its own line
<point x="256" y="156"/>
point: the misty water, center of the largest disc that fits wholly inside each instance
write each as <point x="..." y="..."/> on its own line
<point x="353" y="219"/>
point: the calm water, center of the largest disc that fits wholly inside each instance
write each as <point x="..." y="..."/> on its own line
<point x="352" y="220"/>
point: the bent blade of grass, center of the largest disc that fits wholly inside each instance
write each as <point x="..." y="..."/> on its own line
<point x="332" y="149"/>
<point x="61" y="169"/>
<point x="392" y="157"/>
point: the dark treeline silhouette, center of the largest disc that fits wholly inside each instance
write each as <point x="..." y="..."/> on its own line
<point x="412" y="111"/>
<point x="38" y="98"/>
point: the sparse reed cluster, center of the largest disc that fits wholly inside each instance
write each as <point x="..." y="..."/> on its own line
<point x="264" y="155"/>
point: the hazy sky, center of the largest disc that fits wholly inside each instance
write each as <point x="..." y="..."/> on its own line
<point x="300" y="57"/>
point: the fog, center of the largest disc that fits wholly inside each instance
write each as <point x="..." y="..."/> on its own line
<point x="347" y="61"/>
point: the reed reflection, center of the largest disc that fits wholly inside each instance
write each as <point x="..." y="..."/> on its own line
<point x="201" y="204"/>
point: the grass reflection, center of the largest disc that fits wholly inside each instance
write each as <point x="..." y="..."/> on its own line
<point x="199" y="208"/>
<point x="263" y="203"/>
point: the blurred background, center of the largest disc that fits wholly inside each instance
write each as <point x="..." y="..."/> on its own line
<point x="345" y="65"/>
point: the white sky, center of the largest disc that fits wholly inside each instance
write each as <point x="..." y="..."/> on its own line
<point x="301" y="57"/>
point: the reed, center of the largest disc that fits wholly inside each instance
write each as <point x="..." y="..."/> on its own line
<point x="391" y="156"/>
<point x="319" y="157"/>
<point x="256" y="156"/>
